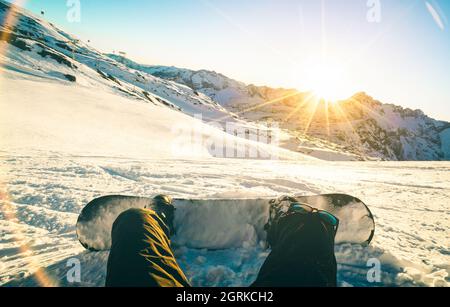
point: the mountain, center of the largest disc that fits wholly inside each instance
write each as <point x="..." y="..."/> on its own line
<point x="360" y="126"/>
<point x="224" y="90"/>
<point x="39" y="45"/>
<point x="63" y="94"/>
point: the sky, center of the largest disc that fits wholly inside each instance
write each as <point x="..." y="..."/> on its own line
<point x="395" y="50"/>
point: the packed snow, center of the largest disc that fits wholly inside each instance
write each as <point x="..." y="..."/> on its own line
<point x="48" y="191"/>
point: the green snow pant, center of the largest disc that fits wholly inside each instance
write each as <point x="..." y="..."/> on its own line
<point x="302" y="256"/>
<point x="141" y="255"/>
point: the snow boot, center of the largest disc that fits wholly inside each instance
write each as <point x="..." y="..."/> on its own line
<point x="286" y="206"/>
<point x="163" y="206"/>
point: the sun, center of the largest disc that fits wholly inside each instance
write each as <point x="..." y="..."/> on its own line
<point x="328" y="81"/>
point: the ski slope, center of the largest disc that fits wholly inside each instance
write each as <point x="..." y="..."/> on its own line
<point x="51" y="115"/>
<point x="63" y="145"/>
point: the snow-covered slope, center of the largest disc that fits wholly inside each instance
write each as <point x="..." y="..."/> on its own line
<point x="40" y="114"/>
<point x="105" y="107"/>
<point x="36" y="47"/>
<point x="360" y="125"/>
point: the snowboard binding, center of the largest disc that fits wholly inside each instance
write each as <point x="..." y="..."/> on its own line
<point x="286" y="206"/>
<point x="163" y="206"/>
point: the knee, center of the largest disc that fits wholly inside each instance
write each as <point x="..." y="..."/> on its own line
<point x="131" y="215"/>
<point x="132" y="219"/>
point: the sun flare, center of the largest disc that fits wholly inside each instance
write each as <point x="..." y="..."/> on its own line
<point x="328" y="81"/>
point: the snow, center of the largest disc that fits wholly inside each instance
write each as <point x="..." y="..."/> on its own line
<point x="48" y="192"/>
<point x="80" y="120"/>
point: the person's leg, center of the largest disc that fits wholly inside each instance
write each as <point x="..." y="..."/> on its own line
<point x="302" y="256"/>
<point x="141" y="255"/>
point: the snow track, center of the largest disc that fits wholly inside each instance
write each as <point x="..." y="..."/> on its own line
<point x="47" y="192"/>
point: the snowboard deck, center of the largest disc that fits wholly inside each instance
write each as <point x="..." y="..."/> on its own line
<point x="222" y="223"/>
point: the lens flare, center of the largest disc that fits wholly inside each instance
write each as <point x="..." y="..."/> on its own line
<point x="7" y="208"/>
<point x="438" y="18"/>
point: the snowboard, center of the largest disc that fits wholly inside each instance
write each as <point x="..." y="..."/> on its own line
<point x="216" y="224"/>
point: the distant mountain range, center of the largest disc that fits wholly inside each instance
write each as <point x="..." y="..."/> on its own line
<point x="360" y="125"/>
